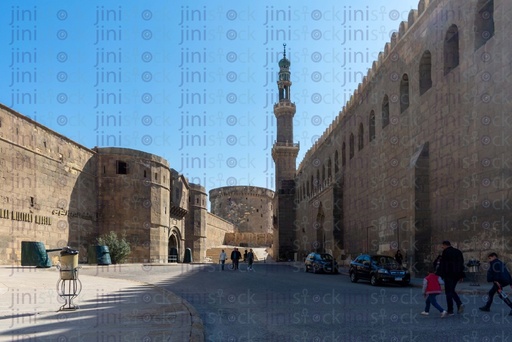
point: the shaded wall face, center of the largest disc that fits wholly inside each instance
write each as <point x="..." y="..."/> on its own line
<point x="461" y="191"/>
<point x="48" y="192"/>
<point x="82" y="213"/>
<point x="315" y="224"/>
<point x="135" y="202"/>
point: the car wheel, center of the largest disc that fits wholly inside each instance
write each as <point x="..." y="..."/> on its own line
<point x="353" y="277"/>
<point x="405" y="283"/>
<point x="373" y="280"/>
<point x="306" y="269"/>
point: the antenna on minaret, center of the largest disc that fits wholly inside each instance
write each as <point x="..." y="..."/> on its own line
<point x="284" y="53"/>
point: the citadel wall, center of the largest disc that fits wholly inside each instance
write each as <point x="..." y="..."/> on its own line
<point x="60" y="193"/>
<point x="196" y="223"/>
<point x="420" y="152"/>
<point x="249" y="208"/>
<point x="48" y="188"/>
<point x="217" y="229"/>
<point x="134" y="201"/>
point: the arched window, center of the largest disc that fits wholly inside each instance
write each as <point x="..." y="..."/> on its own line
<point x="451" y="49"/>
<point x="311" y="185"/>
<point x="404" y="93"/>
<point x="329" y="168"/>
<point x="371" y="125"/>
<point x="484" y="22"/>
<point x="351" y="145"/>
<point x="317" y="180"/>
<point x="385" y="111"/>
<point x="323" y="174"/>
<point x="425" y="72"/>
<point x="360" y="138"/>
<point x="343" y="154"/>
<point x="336" y="162"/>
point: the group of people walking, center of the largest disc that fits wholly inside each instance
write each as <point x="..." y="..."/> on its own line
<point x="235" y="259"/>
<point x="448" y="269"/>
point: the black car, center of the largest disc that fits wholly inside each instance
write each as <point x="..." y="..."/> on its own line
<point x="321" y="262"/>
<point x="378" y="269"/>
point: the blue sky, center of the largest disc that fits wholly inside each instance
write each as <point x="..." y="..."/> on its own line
<point x="192" y="82"/>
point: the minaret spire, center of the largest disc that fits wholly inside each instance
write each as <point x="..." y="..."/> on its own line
<point x="284" y="153"/>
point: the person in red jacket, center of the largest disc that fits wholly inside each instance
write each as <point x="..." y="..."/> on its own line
<point x="431" y="288"/>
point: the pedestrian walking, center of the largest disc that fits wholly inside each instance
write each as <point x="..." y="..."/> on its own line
<point x="399" y="257"/>
<point x="222" y="259"/>
<point x="431" y="288"/>
<point x="245" y="256"/>
<point x="499" y="276"/>
<point x="451" y="269"/>
<point x="250" y="260"/>
<point x="437" y="262"/>
<point x="235" y="258"/>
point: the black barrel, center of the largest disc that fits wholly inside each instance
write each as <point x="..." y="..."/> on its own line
<point x="34" y="254"/>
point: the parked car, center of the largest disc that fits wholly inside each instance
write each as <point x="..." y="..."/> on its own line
<point x="378" y="269"/>
<point x="321" y="262"/>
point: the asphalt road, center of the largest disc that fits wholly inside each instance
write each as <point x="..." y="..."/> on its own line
<point x="279" y="302"/>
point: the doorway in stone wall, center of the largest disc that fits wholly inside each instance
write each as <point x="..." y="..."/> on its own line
<point x="320" y="234"/>
<point x="173" y="255"/>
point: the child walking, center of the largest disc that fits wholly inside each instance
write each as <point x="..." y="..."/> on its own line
<point x="431" y="288"/>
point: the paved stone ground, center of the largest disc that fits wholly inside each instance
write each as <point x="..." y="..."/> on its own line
<point x="109" y="310"/>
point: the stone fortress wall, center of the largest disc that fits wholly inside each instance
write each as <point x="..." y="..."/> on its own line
<point x="63" y="194"/>
<point x="217" y="230"/>
<point x="48" y="188"/>
<point x="134" y="200"/>
<point x="420" y="153"/>
<point x="249" y="209"/>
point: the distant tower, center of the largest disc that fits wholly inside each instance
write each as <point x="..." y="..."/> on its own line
<point x="284" y="153"/>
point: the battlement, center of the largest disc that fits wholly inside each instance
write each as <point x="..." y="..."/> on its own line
<point x="405" y="28"/>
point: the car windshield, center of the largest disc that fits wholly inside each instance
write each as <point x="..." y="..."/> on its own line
<point x="381" y="260"/>
<point x="326" y="257"/>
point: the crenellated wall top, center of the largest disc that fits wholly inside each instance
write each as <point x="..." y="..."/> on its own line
<point x="241" y="190"/>
<point x="357" y="97"/>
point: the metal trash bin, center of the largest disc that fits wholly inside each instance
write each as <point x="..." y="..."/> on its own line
<point x="188" y="256"/>
<point x="68" y="263"/>
<point x="473" y="266"/>
<point x="34" y="254"/>
<point x="99" y="255"/>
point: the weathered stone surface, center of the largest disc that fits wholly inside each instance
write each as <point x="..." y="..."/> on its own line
<point x="458" y="189"/>
<point x="63" y="194"/>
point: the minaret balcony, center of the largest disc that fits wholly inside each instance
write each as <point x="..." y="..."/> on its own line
<point x="284" y="106"/>
<point x="286" y="144"/>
